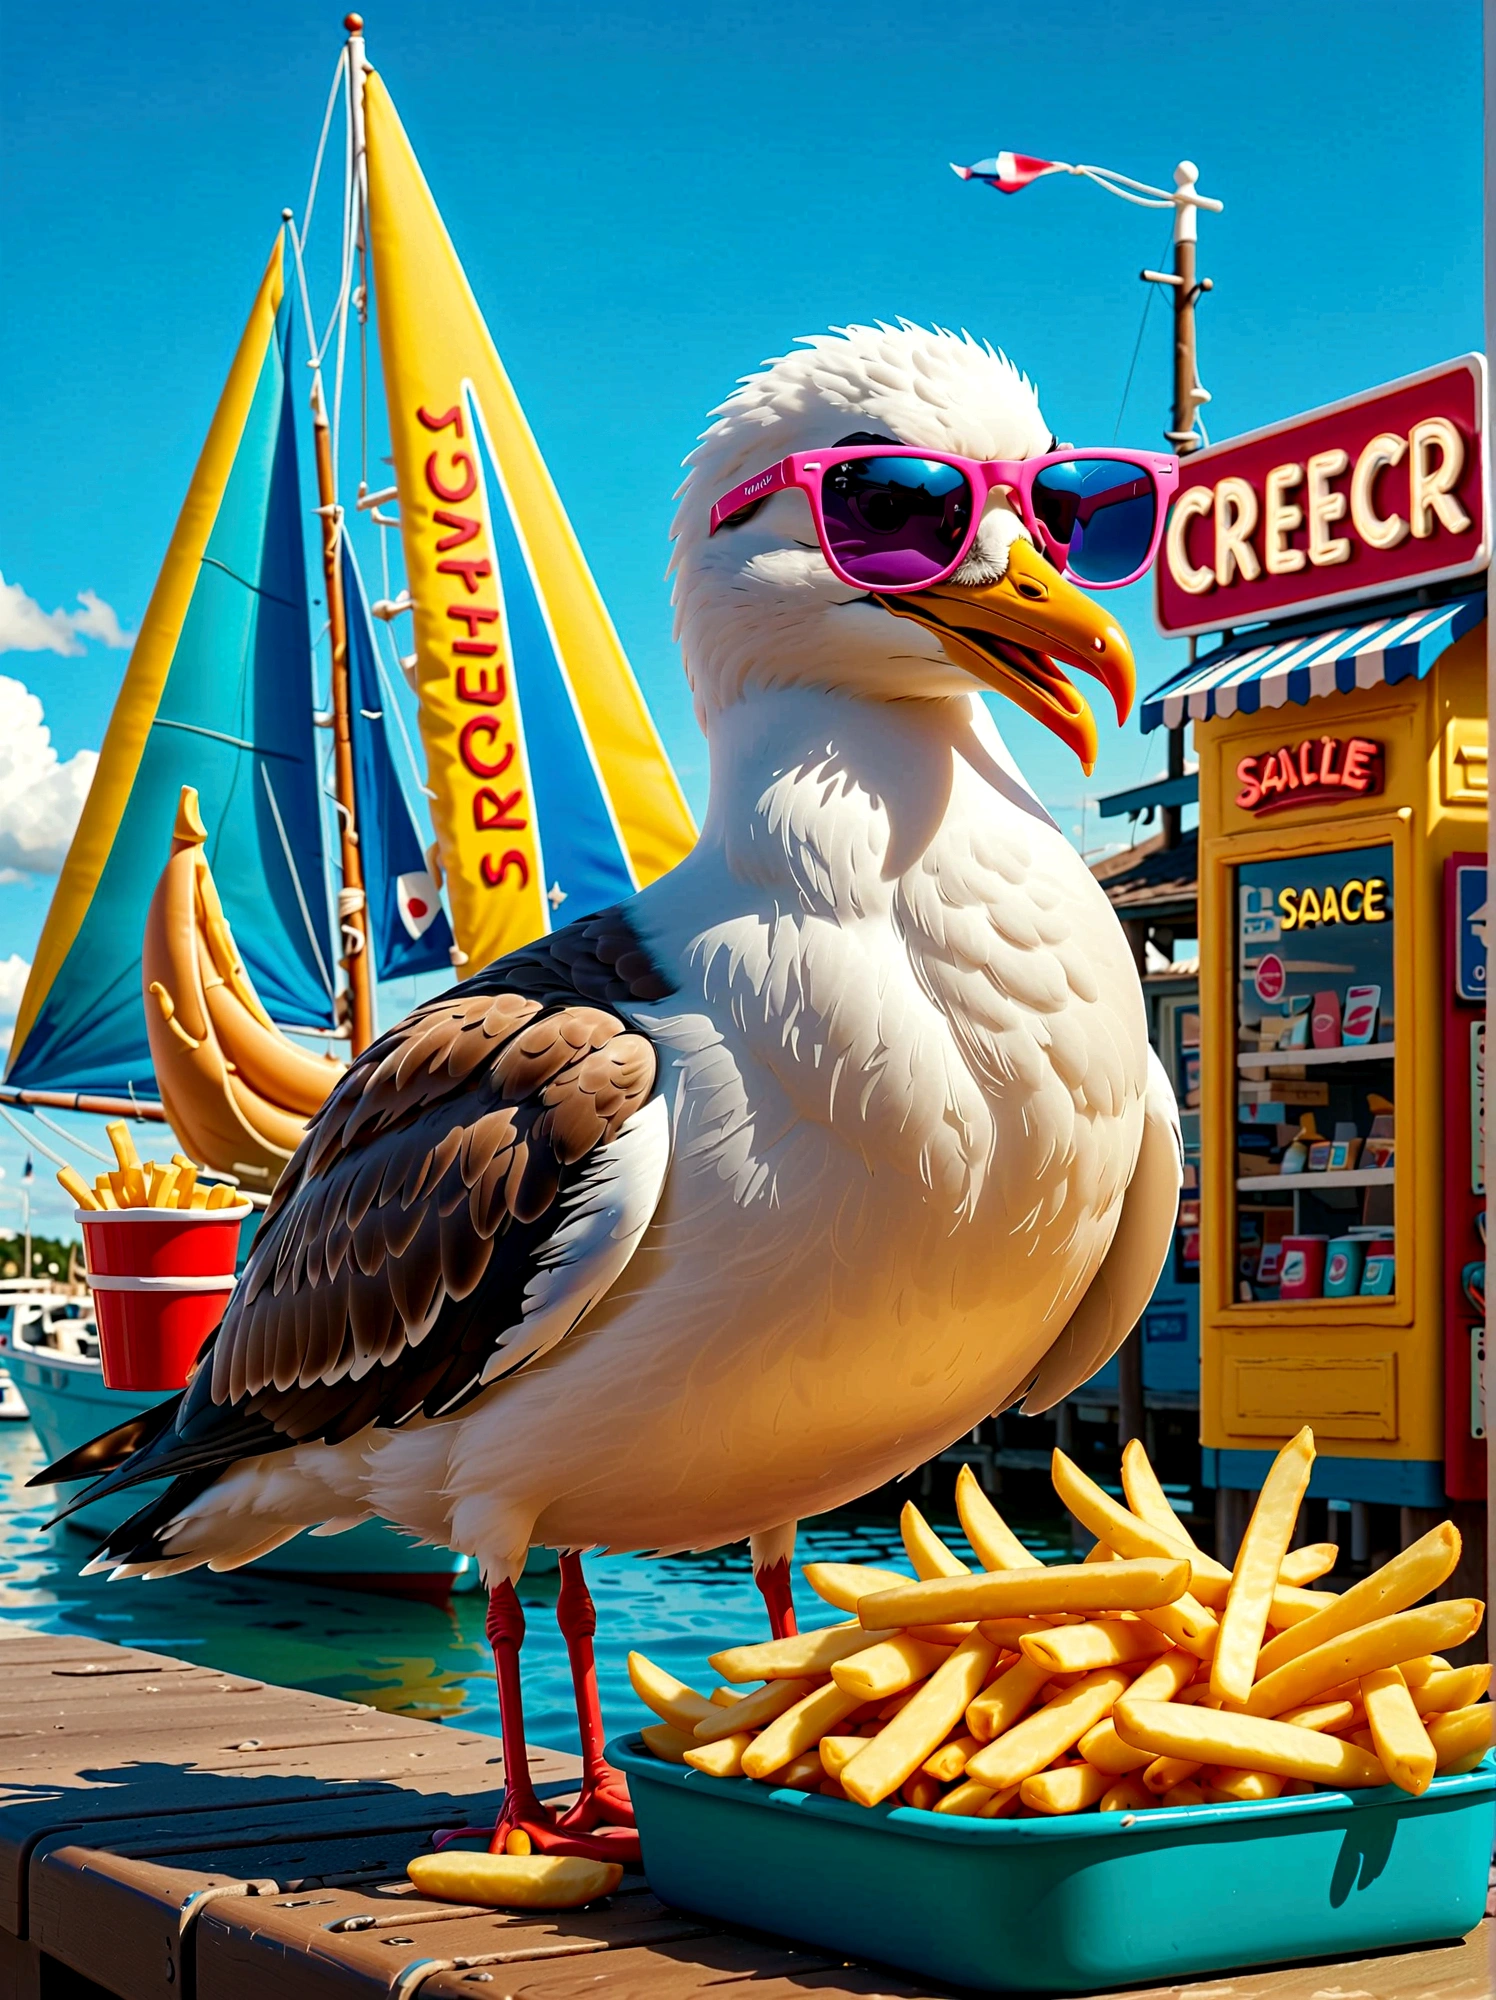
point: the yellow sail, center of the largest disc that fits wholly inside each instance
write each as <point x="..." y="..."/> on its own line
<point x="553" y="793"/>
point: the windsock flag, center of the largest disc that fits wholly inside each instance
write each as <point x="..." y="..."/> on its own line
<point x="1011" y="171"/>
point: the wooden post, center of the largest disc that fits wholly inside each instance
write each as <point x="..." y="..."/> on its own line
<point x="352" y="908"/>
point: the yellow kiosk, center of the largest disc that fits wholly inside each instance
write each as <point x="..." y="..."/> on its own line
<point x="1341" y="741"/>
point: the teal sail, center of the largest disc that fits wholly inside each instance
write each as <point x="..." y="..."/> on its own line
<point x="218" y="695"/>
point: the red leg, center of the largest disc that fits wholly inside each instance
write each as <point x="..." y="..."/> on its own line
<point x="774" y="1584"/>
<point x="522" y="1810"/>
<point x="601" y="1823"/>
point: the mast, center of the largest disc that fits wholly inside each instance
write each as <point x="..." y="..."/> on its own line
<point x="353" y="913"/>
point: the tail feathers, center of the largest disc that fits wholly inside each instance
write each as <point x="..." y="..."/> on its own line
<point x="103" y="1454"/>
<point x="138" y="1545"/>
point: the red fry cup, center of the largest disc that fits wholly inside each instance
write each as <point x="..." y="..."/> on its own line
<point x="161" y="1279"/>
<point x="1303" y="1267"/>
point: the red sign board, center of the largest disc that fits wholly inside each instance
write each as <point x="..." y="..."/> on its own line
<point x="1359" y="499"/>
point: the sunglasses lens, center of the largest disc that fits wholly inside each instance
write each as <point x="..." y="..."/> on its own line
<point x="1101" y="513"/>
<point x="892" y="521"/>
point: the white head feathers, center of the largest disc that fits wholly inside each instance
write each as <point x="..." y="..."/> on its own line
<point x="757" y="603"/>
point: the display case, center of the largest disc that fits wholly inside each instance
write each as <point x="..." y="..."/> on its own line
<point x="1315" y="1168"/>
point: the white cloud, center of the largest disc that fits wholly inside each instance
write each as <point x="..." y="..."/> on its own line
<point x="40" y="795"/>
<point x="14" y="972"/>
<point x="26" y="628"/>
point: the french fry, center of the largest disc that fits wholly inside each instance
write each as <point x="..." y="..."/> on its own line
<point x="117" y="1132"/>
<point x="999" y="1706"/>
<point x="221" y="1195"/>
<point x="842" y="1584"/>
<point x="1380" y="1644"/>
<point x="888" y="1667"/>
<point x="836" y="1752"/>
<point x="755" y="1711"/>
<point x="1397" y="1731"/>
<point x="1127" y="1795"/>
<point x="1117" y="1586"/>
<point x="1332" y="1715"/>
<point x="1185" y="1793"/>
<point x="1160" y="1681"/>
<point x="1009" y="1633"/>
<point x="1291" y="1605"/>
<point x="1420" y="1569"/>
<point x="1225" y="1786"/>
<point x="1314" y="1559"/>
<point x="793" y="1659"/>
<point x="1457" y="1688"/>
<point x="681" y="1706"/>
<point x="995" y="1544"/>
<point x="186" y="1178"/>
<point x="722" y="1759"/>
<point x="928" y="1555"/>
<point x="971" y="1801"/>
<point x="1070" y="1789"/>
<point x="1164" y="1773"/>
<point x="1255" y="1577"/>
<point x="803" y="1775"/>
<point x="1461" y="1738"/>
<point x="723" y="1697"/>
<point x="1124" y="1533"/>
<point x="1024" y="1749"/>
<point x="921" y="1725"/>
<point x="798" y="1730"/>
<point x="73" y="1183"/>
<point x="1150" y="1503"/>
<point x="920" y="1792"/>
<point x="1244" y="1743"/>
<point x="896" y="1702"/>
<point x="1080" y="1649"/>
<point x="950" y="1760"/>
<point x="667" y="1742"/>
<point x="1416" y="1672"/>
<point x="104" y="1189"/>
<point x="1098" y="1552"/>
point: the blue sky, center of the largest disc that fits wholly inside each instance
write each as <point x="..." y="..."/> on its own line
<point x="652" y="199"/>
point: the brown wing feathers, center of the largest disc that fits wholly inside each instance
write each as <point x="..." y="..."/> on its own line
<point x="399" y="1243"/>
<point x="458" y="1141"/>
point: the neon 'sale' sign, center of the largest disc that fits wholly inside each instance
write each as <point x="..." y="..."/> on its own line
<point x="1321" y="770"/>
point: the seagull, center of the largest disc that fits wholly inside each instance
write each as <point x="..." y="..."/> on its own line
<point x="728" y="1204"/>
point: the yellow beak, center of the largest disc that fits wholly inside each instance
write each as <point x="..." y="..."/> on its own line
<point x="1014" y="633"/>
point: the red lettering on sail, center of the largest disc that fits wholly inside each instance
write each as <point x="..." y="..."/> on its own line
<point x="488" y="691"/>
<point x="473" y="615"/>
<point x="491" y="813"/>
<point x="463" y="527"/>
<point x="1361" y="758"/>
<point x="494" y="875"/>
<point x="483" y="649"/>
<point x="469" y="568"/>
<point x="469" y="479"/>
<point x="485" y="726"/>
<point x="449" y="420"/>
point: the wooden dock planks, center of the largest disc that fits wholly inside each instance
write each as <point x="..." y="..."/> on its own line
<point x="168" y="1832"/>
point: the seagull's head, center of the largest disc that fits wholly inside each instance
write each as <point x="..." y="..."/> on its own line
<point x="758" y="606"/>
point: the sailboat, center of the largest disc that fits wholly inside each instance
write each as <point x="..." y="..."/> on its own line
<point x="187" y="971"/>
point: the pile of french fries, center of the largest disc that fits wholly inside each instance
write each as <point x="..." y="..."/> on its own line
<point x="1147" y="1676"/>
<point x="138" y="1183"/>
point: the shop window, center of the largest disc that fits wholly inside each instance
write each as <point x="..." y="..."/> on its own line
<point x="1316" y="1137"/>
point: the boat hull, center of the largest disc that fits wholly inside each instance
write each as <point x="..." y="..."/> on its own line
<point x="69" y="1404"/>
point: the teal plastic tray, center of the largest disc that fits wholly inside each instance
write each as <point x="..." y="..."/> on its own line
<point x="1071" y="1904"/>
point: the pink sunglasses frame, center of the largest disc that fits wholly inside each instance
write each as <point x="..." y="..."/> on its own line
<point x="806" y="470"/>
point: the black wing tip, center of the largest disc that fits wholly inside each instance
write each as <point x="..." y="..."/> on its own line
<point x="110" y="1450"/>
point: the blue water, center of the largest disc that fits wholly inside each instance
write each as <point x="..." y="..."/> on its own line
<point x="418" y="1659"/>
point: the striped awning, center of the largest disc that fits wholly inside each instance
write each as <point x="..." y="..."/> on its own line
<point x="1250" y="674"/>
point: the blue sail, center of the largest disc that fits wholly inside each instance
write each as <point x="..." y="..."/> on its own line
<point x="218" y="695"/>
<point x="407" y="923"/>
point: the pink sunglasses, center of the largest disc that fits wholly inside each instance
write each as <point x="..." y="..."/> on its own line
<point x="895" y="518"/>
